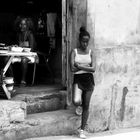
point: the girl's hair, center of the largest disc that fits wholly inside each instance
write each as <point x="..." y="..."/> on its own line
<point x="29" y="23"/>
<point x="83" y="32"/>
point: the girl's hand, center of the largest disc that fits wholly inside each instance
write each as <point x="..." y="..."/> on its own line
<point x="76" y="65"/>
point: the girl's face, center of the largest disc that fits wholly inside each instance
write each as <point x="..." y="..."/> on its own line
<point x="84" y="42"/>
<point x="23" y="25"/>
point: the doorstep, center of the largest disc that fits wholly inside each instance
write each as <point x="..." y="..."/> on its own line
<point x="61" y="122"/>
<point x="41" y="98"/>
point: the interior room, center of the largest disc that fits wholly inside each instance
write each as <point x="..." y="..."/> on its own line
<point x="46" y="16"/>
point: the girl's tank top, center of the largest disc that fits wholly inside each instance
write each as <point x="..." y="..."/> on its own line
<point x="83" y="59"/>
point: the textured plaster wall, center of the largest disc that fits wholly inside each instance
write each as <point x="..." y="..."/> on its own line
<point x="114" y="21"/>
<point x="115" y="38"/>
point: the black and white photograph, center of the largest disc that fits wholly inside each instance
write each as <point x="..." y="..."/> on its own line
<point x="69" y="69"/>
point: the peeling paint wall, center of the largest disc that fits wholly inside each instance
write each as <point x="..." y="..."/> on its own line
<point x="114" y="21"/>
<point x="114" y="26"/>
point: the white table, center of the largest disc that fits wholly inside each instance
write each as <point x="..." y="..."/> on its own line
<point x="11" y="56"/>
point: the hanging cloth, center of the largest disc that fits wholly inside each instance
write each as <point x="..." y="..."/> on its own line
<point x="51" y="22"/>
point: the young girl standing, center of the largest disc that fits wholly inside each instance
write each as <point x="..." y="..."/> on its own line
<point x="83" y="67"/>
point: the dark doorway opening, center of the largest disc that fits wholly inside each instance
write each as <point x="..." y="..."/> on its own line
<point x="41" y="12"/>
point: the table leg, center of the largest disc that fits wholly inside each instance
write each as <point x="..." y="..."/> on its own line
<point x="8" y="94"/>
<point x="7" y="65"/>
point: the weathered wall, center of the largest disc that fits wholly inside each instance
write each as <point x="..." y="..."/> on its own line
<point x="114" y="22"/>
<point x="115" y="38"/>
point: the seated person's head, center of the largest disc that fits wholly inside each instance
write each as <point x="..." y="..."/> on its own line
<point x="23" y="24"/>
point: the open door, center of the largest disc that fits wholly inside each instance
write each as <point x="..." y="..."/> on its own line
<point x="74" y="15"/>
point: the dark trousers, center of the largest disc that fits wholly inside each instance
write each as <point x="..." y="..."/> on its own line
<point x="86" y="96"/>
<point x="84" y="101"/>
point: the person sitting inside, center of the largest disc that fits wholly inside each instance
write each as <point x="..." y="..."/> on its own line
<point x="25" y="39"/>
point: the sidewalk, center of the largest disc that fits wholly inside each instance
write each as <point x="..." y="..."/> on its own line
<point x="132" y="134"/>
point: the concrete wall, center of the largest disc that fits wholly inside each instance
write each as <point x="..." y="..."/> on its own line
<point x="115" y="38"/>
<point x="114" y="22"/>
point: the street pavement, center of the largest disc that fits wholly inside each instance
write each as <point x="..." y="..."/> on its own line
<point x="114" y="135"/>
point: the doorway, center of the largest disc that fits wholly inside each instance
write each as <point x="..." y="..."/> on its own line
<point x="47" y="18"/>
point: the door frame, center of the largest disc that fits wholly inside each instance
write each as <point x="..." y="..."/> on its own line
<point x="74" y="15"/>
